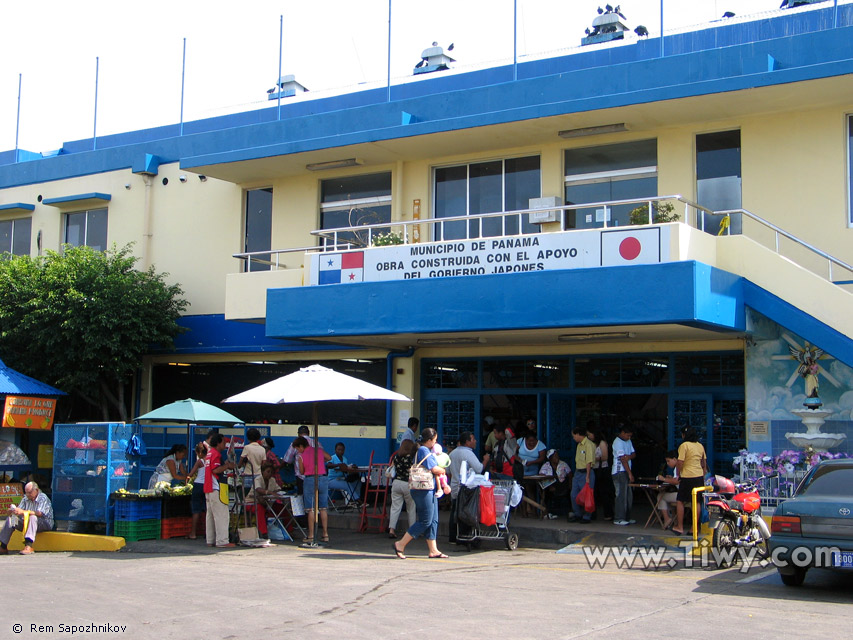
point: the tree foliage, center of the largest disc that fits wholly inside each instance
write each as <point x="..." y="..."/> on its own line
<point x="82" y="320"/>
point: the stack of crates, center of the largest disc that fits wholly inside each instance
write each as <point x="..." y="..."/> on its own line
<point x="177" y="517"/>
<point x="137" y="518"/>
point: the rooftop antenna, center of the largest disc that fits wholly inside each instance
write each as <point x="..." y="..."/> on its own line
<point x="18" y="118"/>
<point x="280" y="54"/>
<point x="95" y="126"/>
<point x="183" y="76"/>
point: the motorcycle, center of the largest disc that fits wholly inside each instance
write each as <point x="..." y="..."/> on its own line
<point x="735" y="512"/>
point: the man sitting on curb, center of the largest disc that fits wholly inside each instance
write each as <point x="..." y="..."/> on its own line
<point x="32" y="515"/>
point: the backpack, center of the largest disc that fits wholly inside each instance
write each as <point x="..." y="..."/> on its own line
<point x="135" y="446"/>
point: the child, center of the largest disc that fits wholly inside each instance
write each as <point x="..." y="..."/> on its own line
<point x="443" y="460"/>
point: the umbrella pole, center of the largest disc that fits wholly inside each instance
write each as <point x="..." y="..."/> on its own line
<point x="316" y="473"/>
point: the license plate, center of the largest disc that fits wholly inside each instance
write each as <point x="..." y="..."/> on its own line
<point x="714" y="509"/>
<point x="843" y="559"/>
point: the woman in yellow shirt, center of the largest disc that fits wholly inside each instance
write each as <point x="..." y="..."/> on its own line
<point x="692" y="467"/>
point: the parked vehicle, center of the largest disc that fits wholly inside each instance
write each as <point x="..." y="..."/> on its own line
<point x="815" y="527"/>
<point x="735" y="512"/>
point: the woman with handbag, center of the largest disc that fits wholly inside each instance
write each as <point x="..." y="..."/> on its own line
<point x="400" y="492"/>
<point x="422" y="484"/>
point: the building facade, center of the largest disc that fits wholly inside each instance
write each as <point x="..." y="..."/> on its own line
<point x="379" y="233"/>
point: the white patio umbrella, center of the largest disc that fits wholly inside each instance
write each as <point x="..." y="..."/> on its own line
<point x="316" y="384"/>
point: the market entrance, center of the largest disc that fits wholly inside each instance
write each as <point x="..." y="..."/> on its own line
<point x="657" y="394"/>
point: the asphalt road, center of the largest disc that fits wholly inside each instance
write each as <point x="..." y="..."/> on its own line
<point x="356" y="588"/>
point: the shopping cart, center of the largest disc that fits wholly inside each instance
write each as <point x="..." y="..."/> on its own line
<point x="472" y="536"/>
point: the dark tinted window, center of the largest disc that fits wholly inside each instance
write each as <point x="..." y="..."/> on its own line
<point x="355" y="187"/>
<point x="829" y="481"/>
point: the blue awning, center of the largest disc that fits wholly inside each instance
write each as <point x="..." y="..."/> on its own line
<point x="14" y="383"/>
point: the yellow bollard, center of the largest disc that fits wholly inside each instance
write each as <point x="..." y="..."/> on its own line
<point x="695" y="512"/>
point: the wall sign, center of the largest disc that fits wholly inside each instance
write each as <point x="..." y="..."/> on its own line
<point x="25" y="412"/>
<point x="506" y="254"/>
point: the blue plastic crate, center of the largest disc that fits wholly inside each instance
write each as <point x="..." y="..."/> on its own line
<point x="140" y="509"/>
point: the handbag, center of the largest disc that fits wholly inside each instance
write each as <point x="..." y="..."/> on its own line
<point x="420" y="477"/>
<point x="223" y="492"/>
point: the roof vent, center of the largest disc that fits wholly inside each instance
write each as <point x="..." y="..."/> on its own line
<point x="606" y="26"/>
<point x="287" y="87"/>
<point x="434" y="59"/>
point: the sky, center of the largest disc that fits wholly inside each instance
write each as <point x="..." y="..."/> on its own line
<point x="232" y="52"/>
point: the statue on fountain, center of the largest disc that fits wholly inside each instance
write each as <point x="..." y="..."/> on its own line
<point x="809" y="370"/>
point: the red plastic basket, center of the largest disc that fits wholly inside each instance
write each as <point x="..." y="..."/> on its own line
<point x="176" y="527"/>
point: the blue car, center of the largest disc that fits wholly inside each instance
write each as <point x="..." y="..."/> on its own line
<point x="815" y="527"/>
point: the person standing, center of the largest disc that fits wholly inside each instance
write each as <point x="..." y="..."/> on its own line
<point x="463" y="453"/>
<point x="623" y="455"/>
<point x="426" y="501"/>
<point x="306" y="460"/>
<point x="601" y="469"/>
<point x="216" y="525"/>
<point x="291" y="455"/>
<point x="400" y="492"/>
<point x="411" y="432"/>
<point x="584" y="459"/>
<point x="692" y="467"/>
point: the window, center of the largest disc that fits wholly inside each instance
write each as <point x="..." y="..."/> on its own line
<point x="605" y="173"/>
<point x="356" y="201"/>
<point x="486" y="187"/>
<point x="258" y="228"/>
<point x="718" y="179"/>
<point x="850" y="169"/>
<point x="15" y="236"/>
<point x="87" y="228"/>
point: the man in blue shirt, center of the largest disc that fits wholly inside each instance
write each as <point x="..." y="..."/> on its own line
<point x="343" y="476"/>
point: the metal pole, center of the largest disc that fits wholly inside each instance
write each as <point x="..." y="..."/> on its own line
<point x="835" y="14"/>
<point x="661" y="28"/>
<point x="18" y="118"/>
<point x="388" y="75"/>
<point x="280" y="54"/>
<point x="183" y="78"/>
<point x="514" y="40"/>
<point x="95" y="126"/>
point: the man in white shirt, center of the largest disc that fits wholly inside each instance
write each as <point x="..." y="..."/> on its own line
<point x="463" y="453"/>
<point x="33" y="514"/>
<point x="623" y="455"/>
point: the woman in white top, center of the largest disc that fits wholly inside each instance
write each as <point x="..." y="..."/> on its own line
<point x="171" y="467"/>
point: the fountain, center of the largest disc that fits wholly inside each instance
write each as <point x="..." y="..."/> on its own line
<point x="813" y="417"/>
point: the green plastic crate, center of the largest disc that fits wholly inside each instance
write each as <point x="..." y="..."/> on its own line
<point x="132" y="530"/>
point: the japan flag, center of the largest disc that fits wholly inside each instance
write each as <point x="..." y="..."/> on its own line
<point x="640" y="246"/>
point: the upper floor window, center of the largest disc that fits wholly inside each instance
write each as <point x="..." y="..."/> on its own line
<point x="258" y="229"/>
<point x="605" y="173"/>
<point x="15" y="236"/>
<point x="87" y="228"/>
<point x="486" y="187"/>
<point x="718" y="176"/>
<point x="355" y="201"/>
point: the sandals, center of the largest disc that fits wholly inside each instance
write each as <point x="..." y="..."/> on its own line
<point x="308" y="543"/>
<point x="392" y="535"/>
<point x="325" y="539"/>
<point x="440" y="555"/>
<point x="400" y="555"/>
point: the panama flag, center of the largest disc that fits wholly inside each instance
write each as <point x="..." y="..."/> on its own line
<point x="639" y="246"/>
<point x="337" y="268"/>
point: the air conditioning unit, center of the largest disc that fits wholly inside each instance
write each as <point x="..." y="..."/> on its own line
<point x="548" y="214"/>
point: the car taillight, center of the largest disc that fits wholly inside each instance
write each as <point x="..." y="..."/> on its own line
<point x="785" y="524"/>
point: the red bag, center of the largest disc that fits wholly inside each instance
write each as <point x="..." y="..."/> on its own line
<point x="487" y="506"/>
<point x="586" y="498"/>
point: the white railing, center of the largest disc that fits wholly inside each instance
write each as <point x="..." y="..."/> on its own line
<point x="726" y="222"/>
<point x="732" y="216"/>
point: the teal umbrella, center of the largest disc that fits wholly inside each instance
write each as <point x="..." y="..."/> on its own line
<point x="190" y="411"/>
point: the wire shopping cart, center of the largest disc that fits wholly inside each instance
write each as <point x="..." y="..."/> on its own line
<point x="472" y="535"/>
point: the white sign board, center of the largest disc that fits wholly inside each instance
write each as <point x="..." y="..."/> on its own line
<point x="533" y="252"/>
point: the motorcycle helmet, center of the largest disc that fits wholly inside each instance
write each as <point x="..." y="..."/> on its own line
<point x="724" y="485"/>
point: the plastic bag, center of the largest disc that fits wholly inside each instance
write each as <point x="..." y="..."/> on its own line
<point x="468" y="506"/>
<point x="586" y="498"/>
<point x="487" y="505"/>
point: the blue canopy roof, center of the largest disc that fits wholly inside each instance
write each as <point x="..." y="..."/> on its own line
<point x="14" y="383"/>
